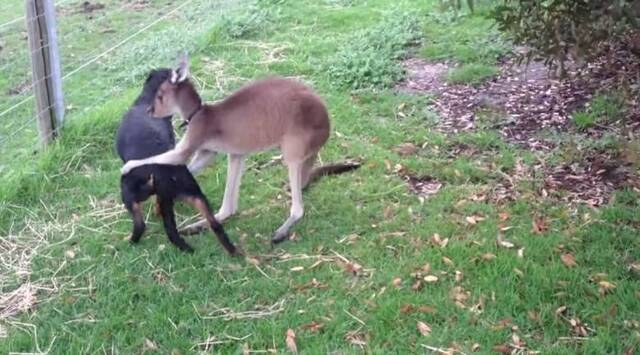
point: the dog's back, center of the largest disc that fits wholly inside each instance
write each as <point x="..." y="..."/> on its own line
<point x="140" y="135"/>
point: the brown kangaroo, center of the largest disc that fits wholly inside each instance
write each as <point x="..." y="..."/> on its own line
<point x="268" y="113"/>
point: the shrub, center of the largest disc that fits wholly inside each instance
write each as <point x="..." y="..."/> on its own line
<point x="370" y="57"/>
<point x="555" y="29"/>
<point x="250" y="22"/>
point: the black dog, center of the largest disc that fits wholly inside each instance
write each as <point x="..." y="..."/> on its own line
<point x="141" y="136"/>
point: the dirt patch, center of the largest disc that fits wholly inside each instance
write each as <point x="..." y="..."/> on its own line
<point x="87" y="7"/>
<point x="523" y="100"/>
<point x="591" y="181"/>
<point x="137" y="5"/>
<point x="422" y="76"/>
<point x="423" y="186"/>
<point x="19" y="89"/>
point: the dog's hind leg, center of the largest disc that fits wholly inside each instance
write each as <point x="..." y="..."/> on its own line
<point x="138" y="220"/>
<point x="169" y="219"/>
<point x="231" y="195"/>
<point x="200" y="202"/>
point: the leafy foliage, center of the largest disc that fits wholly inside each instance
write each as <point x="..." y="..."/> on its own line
<point x="370" y="57"/>
<point x="556" y="29"/>
<point x="250" y="22"/>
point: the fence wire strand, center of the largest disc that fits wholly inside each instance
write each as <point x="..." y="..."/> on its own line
<point x="82" y="62"/>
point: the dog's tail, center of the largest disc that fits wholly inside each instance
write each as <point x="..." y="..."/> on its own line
<point x="332" y="169"/>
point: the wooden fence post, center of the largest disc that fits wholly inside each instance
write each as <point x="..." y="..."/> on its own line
<point x="45" y="65"/>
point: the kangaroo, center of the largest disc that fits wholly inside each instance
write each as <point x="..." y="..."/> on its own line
<point x="269" y="113"/>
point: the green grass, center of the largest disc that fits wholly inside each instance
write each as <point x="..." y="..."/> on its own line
<point x="464" y="39"/>
<point x="471" y="73"/>
<point x="98" y="293"/>
<point x="604" y="108"/>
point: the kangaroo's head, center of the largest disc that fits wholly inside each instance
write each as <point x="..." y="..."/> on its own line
<point x="176" y="94"/>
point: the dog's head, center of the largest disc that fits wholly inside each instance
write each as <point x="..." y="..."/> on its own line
<point x="155" y="78"/>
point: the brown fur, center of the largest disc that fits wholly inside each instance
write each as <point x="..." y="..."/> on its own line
<point x="269" y="113"/>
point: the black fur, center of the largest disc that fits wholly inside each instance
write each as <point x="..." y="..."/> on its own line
<point x="141" y="136"/>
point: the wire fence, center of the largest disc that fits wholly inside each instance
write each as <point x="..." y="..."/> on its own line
<point x="105" y="47"/>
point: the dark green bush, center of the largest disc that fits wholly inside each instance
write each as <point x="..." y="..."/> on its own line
<point x="556" y="29"/>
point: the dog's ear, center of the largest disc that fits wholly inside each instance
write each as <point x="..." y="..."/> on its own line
<point x="181" y="73"/>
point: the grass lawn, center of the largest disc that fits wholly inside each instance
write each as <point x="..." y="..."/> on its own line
<point x="372" y="268"/>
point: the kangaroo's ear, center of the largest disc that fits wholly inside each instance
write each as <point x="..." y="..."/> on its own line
<point x="181" y="73"/>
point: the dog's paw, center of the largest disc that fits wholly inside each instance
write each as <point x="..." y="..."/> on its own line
<point x="187" y="249"/>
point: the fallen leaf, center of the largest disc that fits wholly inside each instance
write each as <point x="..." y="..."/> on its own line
<point x="149" y="344"/>
<point x="253" y="261"/>
<point x="488" y="256"/>
<point x="426" y="309"/>
<point x="397" y="282"/>
<point x="502" y="348"/>
<point x="405" y="149"/>
<point x="521" y="253"/>
<point x="503" y="216"/>
<point x="447" y="261"/>
<point x="297" y="268"/>
<point x="416" y="285"/>
<point x="501" y="242"/>
<point x="539" y="225"/>
<point x="606" y="287"/>
<point x="407" y="308"/>
<point x="70" y="254"/>
<point x="459" y="296"/>
<point x="475" y="347"/>
<point x="426" y="268"/>
<point x="387" y="213"/>
<point x="356" y="338"/>
<point x="569" y="260"/>
<point x="474" y="219"/>
<point x="431" y="278"/>
<point x="423" y="328"/>
<point x="578" y="328"/>
<point x="435" y="239"/>
<point x="353" y="268"/>
<point x="291" y="341"/>
<point x="459" y="276"/>
<point x="560" y="310"/>
<point x="313" y="327"/>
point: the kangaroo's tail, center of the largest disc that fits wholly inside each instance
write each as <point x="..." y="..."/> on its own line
<point x="332" y="169"/>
